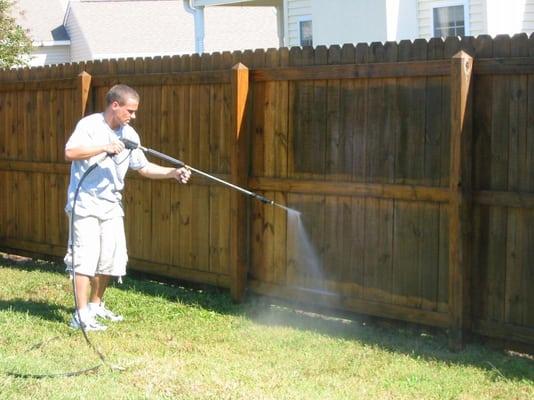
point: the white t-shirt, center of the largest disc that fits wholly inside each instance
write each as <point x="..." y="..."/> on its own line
<point x="100" y="193"/>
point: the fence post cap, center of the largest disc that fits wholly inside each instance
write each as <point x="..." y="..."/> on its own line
<point x="240" y="66"/>
<point x="461" y="54"/>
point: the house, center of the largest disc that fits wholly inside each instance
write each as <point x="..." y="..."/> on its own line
<point x="66" y="31"/>
<point x="44" y="22"/>
<point x="327" y="22"/>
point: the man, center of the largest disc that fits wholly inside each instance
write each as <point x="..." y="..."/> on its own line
<point x="98" y="229"/>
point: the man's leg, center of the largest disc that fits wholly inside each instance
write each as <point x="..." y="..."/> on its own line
<point x="112" y="262"/>
<point x="82" y="290"/>
<point x="96" y="306"/>
<point x="83" y="257"/>
<point x="99" y="283"/>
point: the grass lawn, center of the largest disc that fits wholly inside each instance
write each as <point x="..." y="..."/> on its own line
<point x="180" y="342"/>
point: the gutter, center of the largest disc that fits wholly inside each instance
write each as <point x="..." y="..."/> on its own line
<point x="49" y="43"/>
<point x="198" y="14"/>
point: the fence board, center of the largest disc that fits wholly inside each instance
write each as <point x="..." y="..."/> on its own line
<point x="428" y="256"/>
<point x="434" y="135"/>
<point x="515" y="301"/>
<point x="334" y="146"/>
<point x="199" y="130"/>
<point x="410" y="136"/>
<point x="305" y="250"/>
<point x="356" y="266"/>
<point x="378" y="68"/>
<point x="280" y="236"/>
<point x="378" y="250"/>
<point x="219" y="228"/>
<point x="338" y="239"/>
<point x="4" y="207"/>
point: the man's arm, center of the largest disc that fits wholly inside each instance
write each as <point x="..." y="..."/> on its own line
<point x="85" y="152"/>
<point x="154" y="171"/>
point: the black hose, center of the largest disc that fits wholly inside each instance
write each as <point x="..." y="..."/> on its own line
<point x="75" y="292"/>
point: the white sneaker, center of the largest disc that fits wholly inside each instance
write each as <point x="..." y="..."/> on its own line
<point x="89" y="323"/>
<point x="100" y="311"/>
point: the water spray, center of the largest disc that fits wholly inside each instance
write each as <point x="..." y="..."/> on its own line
<point x="131" y="145"/>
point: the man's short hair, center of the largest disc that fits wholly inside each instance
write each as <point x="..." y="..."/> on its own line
<point x="121" y="93"/>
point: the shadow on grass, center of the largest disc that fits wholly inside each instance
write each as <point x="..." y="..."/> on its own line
<point x="51" y="312"/>
<point x="399" y="337"/>
<point x="28" y="264"/>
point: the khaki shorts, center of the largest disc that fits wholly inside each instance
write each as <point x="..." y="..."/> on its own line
<point x="99" y="247"/>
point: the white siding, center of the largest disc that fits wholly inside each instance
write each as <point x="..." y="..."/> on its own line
<point x="491" y="17"/>
<point x="475" y="15"/>
<point x="296" y="9"/>
<point x="528" y="22"/>
<point x="478" y="23"/>
<point x="48" y="55"/>
<point x="79" y="49"/>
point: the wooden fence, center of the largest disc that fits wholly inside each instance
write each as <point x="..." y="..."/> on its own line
<point x="411" y="163"/>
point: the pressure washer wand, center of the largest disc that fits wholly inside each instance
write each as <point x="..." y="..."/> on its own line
<point x="130" y="145"/>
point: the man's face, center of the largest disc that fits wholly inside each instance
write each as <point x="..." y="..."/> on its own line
<point x="123" y="114"/>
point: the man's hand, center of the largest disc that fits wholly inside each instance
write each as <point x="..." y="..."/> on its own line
<point x="182" y="175"/>
<point x="114" y="147"/>
<point x="84" y="153"/>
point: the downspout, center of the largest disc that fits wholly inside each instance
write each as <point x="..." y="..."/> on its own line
<point x="286" y="23"/>
<point x="198" y="14"/>
<point x="280" y="24"/>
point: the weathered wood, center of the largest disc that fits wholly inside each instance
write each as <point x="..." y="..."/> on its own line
<point x="373" y="70"/>
<point x="460" y="202"/>
<point x="505" y="331"/>
<point x="495" y="268"/>
<point x="504" y="66"/>
<point x="220" y="280"/>
<point x="315" y="137"/>
<point x="281" y="219"/>
<point x="151" y="79"/>
<point x="351" y="304"/>
<point x="504" y="199"/>
<point x="376" y="190"/>
<point x="47" y="84"/>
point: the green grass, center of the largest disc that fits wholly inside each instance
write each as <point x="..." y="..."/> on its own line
<point x="180" y="342"/>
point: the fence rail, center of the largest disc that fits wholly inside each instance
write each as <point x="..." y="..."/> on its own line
<point x="412" y="165"/>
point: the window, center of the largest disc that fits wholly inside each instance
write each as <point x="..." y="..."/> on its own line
<point x="305" y="31"/>
<point x="450" y="21"/>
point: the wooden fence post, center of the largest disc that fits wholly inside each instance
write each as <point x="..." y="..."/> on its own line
<point x="239" y="242"/>
<point x="84" y="84"/>
<point x="460" y="182"/>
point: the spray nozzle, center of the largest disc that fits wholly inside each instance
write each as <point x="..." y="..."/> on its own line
<point x="263" y="199"/>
